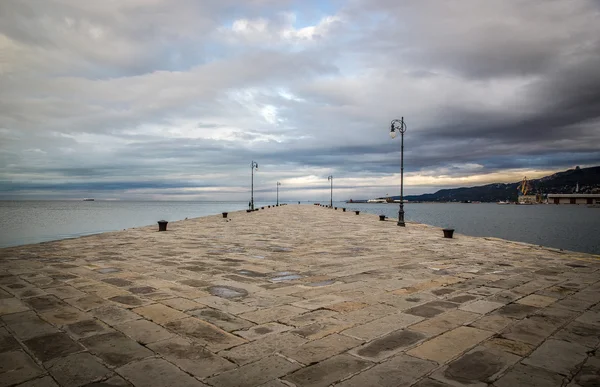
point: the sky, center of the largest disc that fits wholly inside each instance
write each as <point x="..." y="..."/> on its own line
<point x="173" y="99"/>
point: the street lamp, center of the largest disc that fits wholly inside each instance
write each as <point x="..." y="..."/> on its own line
<point x="330" y="178"/>
<point x="278" y="184"/>
<point x="400" y="126"/>
<point x="253" y="165"/>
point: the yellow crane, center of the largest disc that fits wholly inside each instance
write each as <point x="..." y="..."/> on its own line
<point x="523" y="186"/>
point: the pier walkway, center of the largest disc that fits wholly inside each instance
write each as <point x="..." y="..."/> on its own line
<point x="297" y="295"/>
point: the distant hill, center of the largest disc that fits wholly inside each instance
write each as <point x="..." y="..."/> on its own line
<point x="561" y="182"/>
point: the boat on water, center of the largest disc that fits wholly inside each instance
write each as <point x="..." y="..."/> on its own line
<point x="88" y="200"/>
<point x="503" y="202"/>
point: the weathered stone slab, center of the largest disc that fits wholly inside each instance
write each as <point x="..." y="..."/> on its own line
<point x="86" y="328"/>
<point x="182" y="304"/>
<point x="382" y="326"/>
<point x="536" y="300"/>
<point x="63" y="316"/>
<point x="321" y="349"/>
<point x="45" y="381"/>
<point x="449" y="344"/>
<point x="444" y="322"/>
<point x="328" y="371"/>
<point x="517" y="311"/>
<point x="516" y="347"/>
<point x="269" y="345"/>
<point x="7" y="341"/>
<point x="115" y="348"/>
<point x="589" y="374"/>
<point x="321" y="328"/>
<point x="225" y="321"/>
<point x="388" y="345"/>
<point x="347" y="306"/>
<point x="157" y="373"/>
<point x="17" y="367"/>
<point x="214" y="338"/>
<point x="259" y="331"/>
<point x="590" y="318"/>
<point x="262" y="316"/>
<point x="367" y="314"/>
<point x="557" y="356"/>
<point x="77" y="370"/>
<point x="11" y="305"/>
<point x="401" y="370"/>
<point x="27" y="325"/>
<point x="227" y="306"/>
<point x="319" y="302"/>
<point x="308" y="317"/>
<point x="65" y="291"/>
<point x="52" y="346"/>
<point x="481" y="306"/>
<point x="87" y="303"/>
<point x="144" y="331"/>
<point x="526" y="376"/>
<point x="191" y="357"/>
<point x="113" y="315"/>
<point x="580" y="333"/>
<point x="478" y="367"/>
<point x="254" y="374"/>
<point x="159" y="313"/>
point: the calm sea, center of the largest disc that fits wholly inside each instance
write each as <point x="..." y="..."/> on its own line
<point x="570" y="227"/>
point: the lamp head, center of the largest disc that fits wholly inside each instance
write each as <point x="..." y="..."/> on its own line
<point x="393" y="133"/>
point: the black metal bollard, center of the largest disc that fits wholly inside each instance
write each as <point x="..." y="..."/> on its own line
<point x="335" y="208"/>
<point x="248" y="210"/>
<point x="225" y="215"/>
<point x="357" y="212"/>
<point x="343" y="209"/>
<point x="262" y="208"/>
<point x="381" y="217"/>
<point x="162" y="225"/>
<point x="448" y="232"/>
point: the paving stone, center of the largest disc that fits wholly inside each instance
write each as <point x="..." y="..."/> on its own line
<point x="516" y="347"/>
<point x="227" y="306"/>
<point x="382" y="326"/>
<point x="319" y="302"/>
<point x="269" y="345"/>
<point x="7" y="341"/>
<point x="317" y="350"/>
<point x="590" y="318"/>
<point x="254" y="374"/>
<point x="557" y="356"/>
<point x="129" y="301"/>
<point x="401" y="370"/>
<point x="274" y="383"/>
<point x="449" y="344"/>
<point x="115" y="381"/>
<point x="308" y="317"/>
<point x="64" y="315"/>
<point x="478" y="367"/>
<point x="484" y="291"/>
<point x="120" y="282"/>
<point x="77" y="370"/>
<point x="213" y="337"/>
<point x="481" y="306"/>
<point x="115" y="348"/>
<point x="144" y="331"/>
<point x="589" y="374"/>
<point x="347" y="306"/>
<point x="27" y="325"/>
<point x="225" y="321"/>
<point x="191" y="357"/>
<point x="259" y="331"/>
<point x="182" y="304"/>
<point x="430" y="383"/>
<point x="17" y="367"/>
<point x="51" y="346"/>
<point x="580" y="333"/>
<point x="321" y="329"/>
<point x="44" y="381"/>
<point x="388" y="345"/>
<point x="531" y="330"/>
<point x="87" y="303"/>
<point x="328" y="371"/>
<point x="518" y="311"/>
<point x="504" y="297"/>
<point x="526" y="376"/>
<point x="459" y="299"/>
<point x="159" y="313"/>
<point x="262" y="316"/>
<point x="573" y="303"/>
<point x="444" y="322"/>
<point x="86" y="328"/>
<point x="367" y="314"/>
<point x="11" y="305"/>
<point x="66" y="291"/>
<point x="157" y="373"/>
<point x="536" y="300"/>
<point x="113" y="315"/>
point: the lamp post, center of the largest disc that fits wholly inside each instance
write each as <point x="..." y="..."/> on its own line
<point x="330" y="178"/>
<point x="253" y="165"/>
<point x="278" y="184"/>
<point x="400" y="126"/>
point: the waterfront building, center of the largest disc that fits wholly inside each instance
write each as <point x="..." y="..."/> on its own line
<point x="575" y="198"/>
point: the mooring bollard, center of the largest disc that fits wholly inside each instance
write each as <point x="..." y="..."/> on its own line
<point x="225" y="215"/>
<point x="335" y="208"/>
<point x="262" y="208"/>
<point x="248" y="210"/>
<point x="381" y="217"/>
<point x="343" y="209"/>
<point x="162" y="225"/>
<point x="448" y="232"/>
<point x="357" y="212"/>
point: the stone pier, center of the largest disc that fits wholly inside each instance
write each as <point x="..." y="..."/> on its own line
<point x="297" y="295"/>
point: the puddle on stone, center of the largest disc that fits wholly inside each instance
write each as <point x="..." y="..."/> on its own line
<point x="106" y="270"/>
<point x="250" y="273"/>
<point x="289" y="277"/>
<point x="322" y="283"/>
<point x="227" y="292"/>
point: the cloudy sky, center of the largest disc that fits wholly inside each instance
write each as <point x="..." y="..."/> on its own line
<point x="173" y="99"/>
